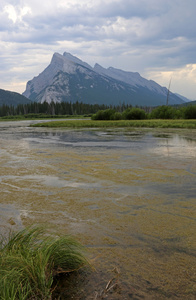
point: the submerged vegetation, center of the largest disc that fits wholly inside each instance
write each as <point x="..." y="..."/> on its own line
<point x="30" y="260"/>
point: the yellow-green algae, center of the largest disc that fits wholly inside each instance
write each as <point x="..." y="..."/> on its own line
<point x="101" y="197"/>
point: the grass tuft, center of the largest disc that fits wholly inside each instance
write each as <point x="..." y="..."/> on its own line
<point x="30" y="259"/>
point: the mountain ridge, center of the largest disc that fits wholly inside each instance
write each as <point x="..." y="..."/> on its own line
<point x="67" y="78"/>
<point x="12" y="98"/>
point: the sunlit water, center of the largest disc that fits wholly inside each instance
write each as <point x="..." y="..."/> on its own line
<point x="128" y="196"/>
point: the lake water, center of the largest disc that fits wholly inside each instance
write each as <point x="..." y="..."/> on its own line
<point x="127" y="195"/>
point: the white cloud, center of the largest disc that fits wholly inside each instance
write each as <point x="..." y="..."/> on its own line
<point x="183" y="80"/>
<point x="10" y="10"/>
<point x="16" y="13"/>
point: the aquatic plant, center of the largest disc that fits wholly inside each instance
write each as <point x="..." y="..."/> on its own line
<point x="30" y="259"/>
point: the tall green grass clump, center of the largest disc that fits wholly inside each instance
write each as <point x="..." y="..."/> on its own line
<point x="29" y="261"/>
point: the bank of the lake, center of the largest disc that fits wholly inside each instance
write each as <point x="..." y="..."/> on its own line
<point x="31" y="117"/>
<point x="190" y="124"/>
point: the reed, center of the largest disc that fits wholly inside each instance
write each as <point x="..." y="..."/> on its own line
<point x="30" y="259"/>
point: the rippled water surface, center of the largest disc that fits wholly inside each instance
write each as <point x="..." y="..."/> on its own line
<point x="128" y="196"/>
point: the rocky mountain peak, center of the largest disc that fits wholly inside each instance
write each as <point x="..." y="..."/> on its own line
<point x="76" y="60"/>
<point x="68" y="78"/>
<point x="57" y="60"/>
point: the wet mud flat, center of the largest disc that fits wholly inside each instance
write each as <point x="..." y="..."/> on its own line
<point x="128" y="196"/>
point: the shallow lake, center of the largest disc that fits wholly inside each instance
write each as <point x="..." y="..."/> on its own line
<point x="127" y="195"/>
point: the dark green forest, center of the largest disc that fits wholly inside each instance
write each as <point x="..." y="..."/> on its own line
<point x="8" y="98"/>
<point x="35" y="109"/>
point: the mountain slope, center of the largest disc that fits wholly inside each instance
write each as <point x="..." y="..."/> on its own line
<point x="12" y="98"/>
<point x="67" y="78"/>
<point x="183" y="98"/>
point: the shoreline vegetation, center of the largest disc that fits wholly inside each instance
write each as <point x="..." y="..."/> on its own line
<point x="160" y="117"/>
<point x="189" y="124"/>
<point x="114" y="117"/>
<point x="31" y="262"/>
<point x="41" y="117"/>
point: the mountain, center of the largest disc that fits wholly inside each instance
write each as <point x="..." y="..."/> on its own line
<point x="187" y="103"/>
<point x="183" y="98"/>
<point x="67" y="78"/>
<point x="12" y="98"/>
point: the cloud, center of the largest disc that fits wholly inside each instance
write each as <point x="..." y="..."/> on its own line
<point x="132" y="35"/>
<point x="183" y="80"/>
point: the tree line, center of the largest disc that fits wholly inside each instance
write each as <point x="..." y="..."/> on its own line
<point x="56" y="109"/>
<point x="98" y="112"/>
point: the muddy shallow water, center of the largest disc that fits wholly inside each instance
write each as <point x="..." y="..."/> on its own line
<point x="127" y="195"/>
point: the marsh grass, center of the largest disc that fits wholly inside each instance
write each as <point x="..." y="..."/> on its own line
<point x="30" y="259"/>
<point x="41" y="116"/>
<point x="120" y="124"/>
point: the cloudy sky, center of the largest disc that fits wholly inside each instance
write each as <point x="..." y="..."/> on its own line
<point x="156" y="38"/>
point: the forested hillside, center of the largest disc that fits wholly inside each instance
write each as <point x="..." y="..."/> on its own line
<point x="12" y="98"/>
<point x="54" y="109"/>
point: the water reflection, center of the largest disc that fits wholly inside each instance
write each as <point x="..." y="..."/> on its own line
<point x="176" y="145"/>
<point x="166" y="145"/>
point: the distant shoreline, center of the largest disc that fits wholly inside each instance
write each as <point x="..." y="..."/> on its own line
<point x="190" y="124"/>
